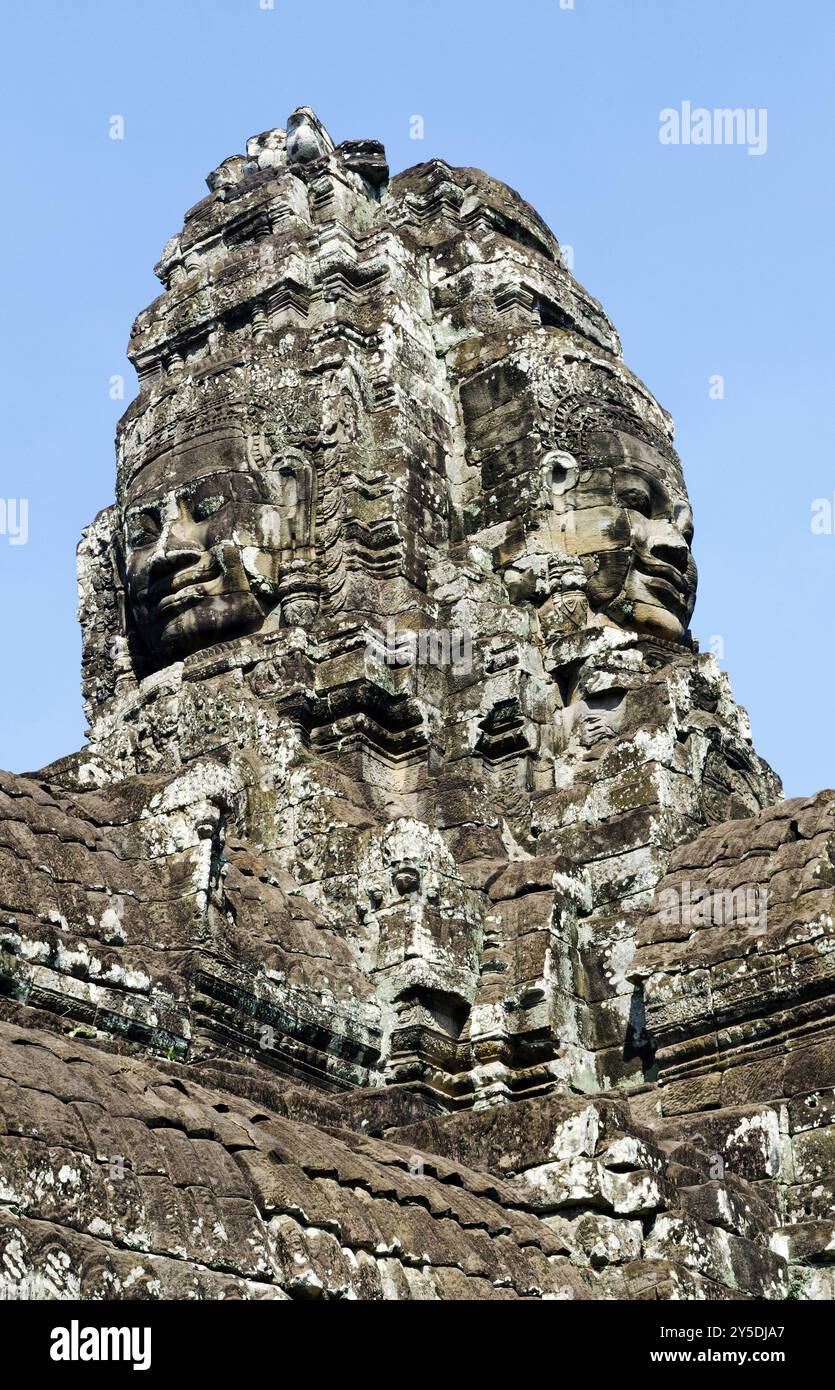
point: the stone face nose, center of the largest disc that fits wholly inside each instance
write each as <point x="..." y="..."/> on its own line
<point x="669" y="546"/>
<point x="169" y="559"/>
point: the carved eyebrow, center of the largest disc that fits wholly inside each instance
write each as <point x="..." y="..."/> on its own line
<point x="140" y="509"/>
<point x="633" y="480"/>
<point x="630" y="472"/>
<point x="229" y="483"/>
<point x="205" y="479"/>
<point x="189" y="490"/>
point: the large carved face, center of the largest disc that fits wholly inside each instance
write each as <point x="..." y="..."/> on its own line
<point x="625" y="512"/>
<point x="205" y="544"/>
<point x="575" y="458"/>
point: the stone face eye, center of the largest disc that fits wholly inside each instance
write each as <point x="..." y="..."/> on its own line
<point x="205" y="507"/>
<point x="141" y="530"/>
<point x="636" y="500"/>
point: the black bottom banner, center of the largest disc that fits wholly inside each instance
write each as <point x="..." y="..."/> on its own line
<point x="86" y="1340"/>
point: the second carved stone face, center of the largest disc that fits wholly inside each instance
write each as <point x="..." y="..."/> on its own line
<point x="576" y="457"/>
<point x="205" y="554"/>
<point x="627" y="515"/>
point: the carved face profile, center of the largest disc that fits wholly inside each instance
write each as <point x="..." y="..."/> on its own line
<point x="576" y="457"/>
<point x="205" y="549"/>
<point x="625" y="512"/>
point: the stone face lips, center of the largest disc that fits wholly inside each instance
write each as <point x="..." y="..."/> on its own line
<point x="418" y="865"/>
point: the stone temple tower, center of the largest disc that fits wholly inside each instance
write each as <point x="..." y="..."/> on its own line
<point x="418" y="871"/>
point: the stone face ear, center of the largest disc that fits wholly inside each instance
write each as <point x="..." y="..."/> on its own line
<point x="292" y="481"/>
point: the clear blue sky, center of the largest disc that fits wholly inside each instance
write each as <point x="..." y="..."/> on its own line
<point x="709" y="260"/>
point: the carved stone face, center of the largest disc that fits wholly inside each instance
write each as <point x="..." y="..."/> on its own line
<point x="205" y="551"/>
<point x="598" y="717"/>
<point x="628" y="516"/>
<point x="194" y="554"/>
